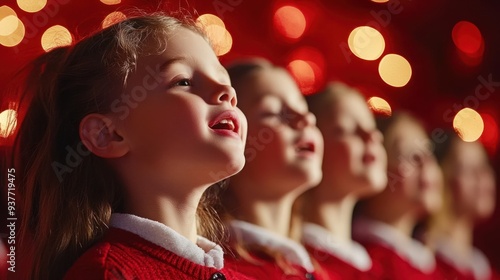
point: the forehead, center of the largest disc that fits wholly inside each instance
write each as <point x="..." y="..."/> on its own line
<point x="270" y="84"/>
<point x="406" y="135"/>
<point x="182" y="43"/>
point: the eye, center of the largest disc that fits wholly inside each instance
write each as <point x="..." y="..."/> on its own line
<point x="182" y="83"/>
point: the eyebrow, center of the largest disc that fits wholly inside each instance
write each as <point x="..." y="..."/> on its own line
<point x="169" y="62"/>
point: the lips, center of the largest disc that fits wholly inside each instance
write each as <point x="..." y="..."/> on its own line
<point x="227" y="123"/>
<point x="305" y="147"/>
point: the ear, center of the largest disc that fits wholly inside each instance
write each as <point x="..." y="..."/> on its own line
<point x="100" y="136"/>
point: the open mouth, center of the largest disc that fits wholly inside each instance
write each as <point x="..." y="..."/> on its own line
<point x="226" y="123"/>
<point x="305" y="147"/>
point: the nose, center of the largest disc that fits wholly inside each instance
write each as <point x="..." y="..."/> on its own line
<point x="225" y="93"/>
<point x="374" y="136"/>
<point x="305" y="120"/>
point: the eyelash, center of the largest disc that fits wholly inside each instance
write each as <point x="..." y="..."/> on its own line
<point x="179" y="83"/>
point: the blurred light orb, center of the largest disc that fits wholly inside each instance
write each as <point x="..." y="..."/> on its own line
<point x="113" y="18"/>
<point x="111" y="2"/>
<point x="380" y="1"/>
<point x="304" y="73"/>
<point x="467" y="37"/>
<point x="290" y="22"/>
<point x="468" y="124"/>
<point x="379" y="105"/>
<point x="395" y="70"/>
<point x="8" y="122"/>
<point x="221" y="39"/>
<point x="366" y="42"/>
<point x="31" y="6"/>
<point x="206" y="20"/>
<point x="12" y="31"/>
<point x="56" y="36"/>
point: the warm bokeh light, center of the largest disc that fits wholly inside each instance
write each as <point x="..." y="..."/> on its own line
<point x="468" y="124"/>
<point x="8" y="122"/>
<point x="380" y="1"/>
<point x="366" y="43"/>
<point x="209" y="19"/>
<point x="56" y="36"/>
<point x="290" y="22"/>
<point x="8" y="25"/>
<point x="304" y="73"/>
<point x="489" y="138"/>
<point x="31" y="6"/>
<point x="395" y="70"/>
<point x="14" y="36"/>
<point x="467" y="37"/>
<point x="111" y="2"/>
<point x="113" y="18"/>
<point x="379" y="105"/>
<point x="221" y="39"/>
<point x="316" y="61"/>
<point x="6" y="11"/>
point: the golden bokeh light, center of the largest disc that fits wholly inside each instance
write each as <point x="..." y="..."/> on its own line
<point x="221" y="39"/>
<point x="303" y="72"/>
<point x="8" y="25"/>
<point x="366" y="43"/>
<point x="113" y="18"/>
<point x="468" y="124"/>
<point x="6" y="11"/>
<point x="8" y="122"/>
<point x="111" y="2"/>
<point x="380" y="1"/>
<point x="31" y="6"/>
<point x="290" y="22"/>
<point x="13" y="37"/>
<point x="206" y="20"/>
<point x="56" y="36"/>
<point x="395" y="70"/>
<point x="379" y="105"/>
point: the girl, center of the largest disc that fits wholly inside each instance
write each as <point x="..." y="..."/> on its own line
<point x="284" y="152"/>
<point x="469" y="196"/>
<point x="413" y="191"/>
<point x="353" y="167"/>
<point x="116" y="150"/>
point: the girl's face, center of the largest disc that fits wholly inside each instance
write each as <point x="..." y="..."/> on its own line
<point x="471" y="179"/>
<point x="414" y="175"/>
<point x="355" y="159"/>
<point x="284" y="147"/>
<point x="179" y="117"/>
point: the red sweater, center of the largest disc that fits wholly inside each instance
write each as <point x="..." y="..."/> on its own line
<point x="124" y="255"/>
<point x="394" y="266"/>
<point x="265" y="267"/>
<point x="335" y="268"/>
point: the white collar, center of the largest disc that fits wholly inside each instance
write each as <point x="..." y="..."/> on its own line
<point x="204" y="252"/>
<point x="320" y="238"/>
<point x="292" y="251"/>
<point x="477" y="263"/>
<point x="408" y="248"/>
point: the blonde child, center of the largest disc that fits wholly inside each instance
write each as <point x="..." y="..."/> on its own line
<point x="122" y="132"/>
<point x="354" y="167"/>
<point x="413" y="192"/>
<point x="469" y="197"/>
<point x="284" y="152"/>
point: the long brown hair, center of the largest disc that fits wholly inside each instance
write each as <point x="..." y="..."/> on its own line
<point x="68" y="193"/>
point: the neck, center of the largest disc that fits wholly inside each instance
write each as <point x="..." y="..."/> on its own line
<point x="334" y="214"/>
<point x="273" y="215"/>
<point x="178" y="213"/>
<point x="403" y="221"/>
<point x="460" y="235"/>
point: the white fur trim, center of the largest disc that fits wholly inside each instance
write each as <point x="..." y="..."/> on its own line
<point x="204" y="252"/>
<point x="477" y="263"/>
<point x="320" y="238"/>
<point x="294" y="252"/>
<point x="408" y="248"/>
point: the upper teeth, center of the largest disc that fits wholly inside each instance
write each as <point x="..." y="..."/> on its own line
<point x="226" y="121"/>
